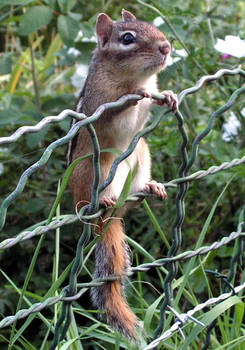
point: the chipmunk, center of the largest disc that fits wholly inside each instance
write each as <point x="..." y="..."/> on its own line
<point x="126" y="60"/>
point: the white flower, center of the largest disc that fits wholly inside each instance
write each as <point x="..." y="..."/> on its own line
<point x="73" y="51"/>
<point x="80" y="37"/>
<point x="3" y="150"/>
<point x="79" y="77"/>
<point x="232" y="45"/>
<point x="179" y="53"/>
<point x="158" y="21"/>
<point x="89" y="40"/>
<point x="243" y="112"/>
<point x="231" y="127"/>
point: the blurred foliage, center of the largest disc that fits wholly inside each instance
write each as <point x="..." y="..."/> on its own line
<point x="37" y="64"/>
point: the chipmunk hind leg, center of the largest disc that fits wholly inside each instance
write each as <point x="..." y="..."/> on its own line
<point x="142" y="181"/>
<point x="143" y="174"/>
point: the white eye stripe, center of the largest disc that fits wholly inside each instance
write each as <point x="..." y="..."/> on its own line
<point x="122" y="47"/>
<point x="126" y="32"/>
<point x="127" y="47"/>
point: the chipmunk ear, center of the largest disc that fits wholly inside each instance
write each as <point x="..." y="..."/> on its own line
<point x="128" y="16"/>
<point x="104" y="26"/>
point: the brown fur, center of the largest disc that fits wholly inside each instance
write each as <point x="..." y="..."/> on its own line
<point x="115" y="71"/>
<point x="112" y="259"/>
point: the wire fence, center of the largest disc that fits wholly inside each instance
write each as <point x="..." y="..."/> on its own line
<point x="75" y="290"/>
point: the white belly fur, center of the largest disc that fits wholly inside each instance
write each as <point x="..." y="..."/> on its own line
<point x="142" y="176"/>
<point x="129" y="123"/>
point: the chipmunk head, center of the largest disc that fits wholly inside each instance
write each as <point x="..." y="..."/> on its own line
<point x="135" y="48"/>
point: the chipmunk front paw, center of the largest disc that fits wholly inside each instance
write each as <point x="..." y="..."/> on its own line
<point x="107" y="202"/>
<point x="156" y="188"/>
<point x="171" y="100"/>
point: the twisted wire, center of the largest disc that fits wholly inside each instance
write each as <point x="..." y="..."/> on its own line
<point x="143" y="267"/>
<point x="49" y="150"/>
<point x="37" y="307"/>
<point x="191" y="253"/>
<point x="68" y="219"/>
<point x="38" y="127"/>
<point x="183" y="187"/>
<point x="69" y="293"/>
<point x="28" y="234"/>
<point x="232" y="271"/>
<point x="206" y="78"/>
<point x="190" y="314"/>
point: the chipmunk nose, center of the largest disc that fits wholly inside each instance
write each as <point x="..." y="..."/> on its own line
<point x="165" y="47"/>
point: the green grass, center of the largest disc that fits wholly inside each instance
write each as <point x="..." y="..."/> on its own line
<point x="35" y="81"/>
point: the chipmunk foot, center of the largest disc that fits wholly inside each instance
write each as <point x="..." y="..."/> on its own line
<point x="107" y="202"/>
<point x="156" y="188"/>
<point x="171" y="100"/>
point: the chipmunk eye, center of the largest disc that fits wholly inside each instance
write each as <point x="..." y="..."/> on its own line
<point x="128" y="38"/>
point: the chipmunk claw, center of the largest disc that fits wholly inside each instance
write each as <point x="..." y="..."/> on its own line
<point x="156" y="188"/>
<point x="107" y="202"/>
<point x="171" y="100"/>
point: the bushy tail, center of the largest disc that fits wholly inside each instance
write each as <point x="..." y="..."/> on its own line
<point x="112" y="259"/>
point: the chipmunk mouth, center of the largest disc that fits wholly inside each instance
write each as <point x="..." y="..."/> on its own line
<point x="157" y="65"/>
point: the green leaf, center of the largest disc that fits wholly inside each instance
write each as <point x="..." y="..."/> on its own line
<point x="69" y="343"/>
<point x="73" y="335"/>
<point x="33" y="205"/>
<point x="35" y="18"/>
<point x="108" y="337"/>
<point x="139" y="248"/>
<point x="239" y="314"/>
<point x="125" y="191"/>
<point x="50" y="57"/>
<point x="127" y="186"/>
<point x="86" y="48"/>
<point x="19" y="291"/>
<point x="26" y="344"/>
<point x="150" y="312"/>
<point x="210" y="317"/>
<point x="200" y="240"/>
<point x="51" y="3"/>
<point x="5" y="64"/>
<point x="8" y="117"/>
<point x="66" y="5"/>
<point x="64" y="183"/>
<point x="50" y="293"/>
<point x="32" y="140"/>
<point x="88" y="30"/>
<point x="68" y="29"/>
<point x="67" y="175"/>
<point x="19" y="66"/>
<point x="155" y="223"/>
<point x="14" y="2"/>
